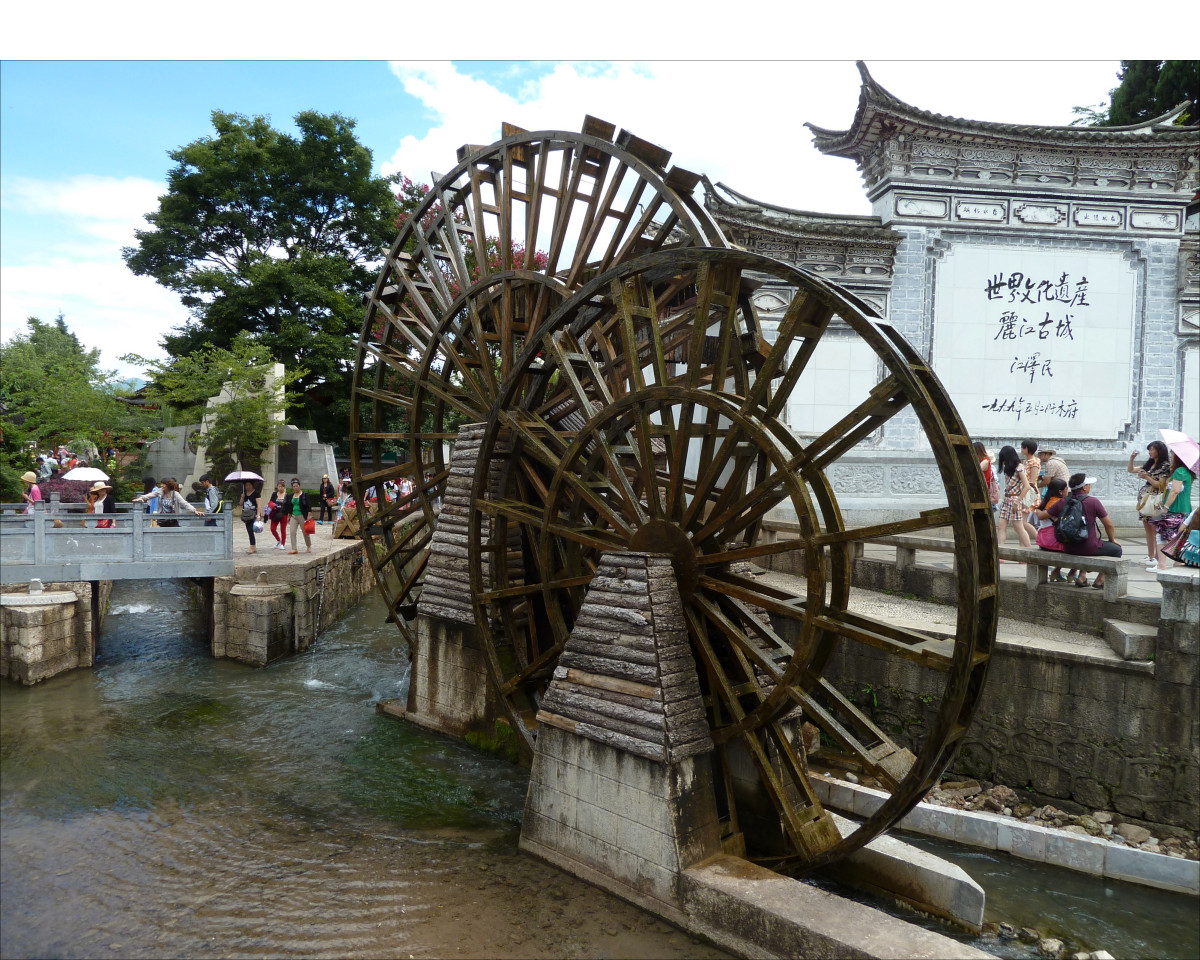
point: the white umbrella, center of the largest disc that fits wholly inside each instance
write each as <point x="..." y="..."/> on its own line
<point x="91" y="474"/>
<point x="242" y="475"/>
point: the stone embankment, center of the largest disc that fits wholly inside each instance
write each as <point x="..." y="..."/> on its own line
<point x="1103" y="824"/>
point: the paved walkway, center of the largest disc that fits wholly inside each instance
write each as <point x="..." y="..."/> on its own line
<point x="268" y="555"/>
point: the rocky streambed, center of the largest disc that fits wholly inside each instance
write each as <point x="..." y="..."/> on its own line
<point x="1103" y="824"/>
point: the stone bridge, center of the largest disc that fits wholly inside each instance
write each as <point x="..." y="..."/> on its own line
<point x="61" y="543"/>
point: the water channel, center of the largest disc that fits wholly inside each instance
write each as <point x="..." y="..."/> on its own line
<point x="167" y="804"/>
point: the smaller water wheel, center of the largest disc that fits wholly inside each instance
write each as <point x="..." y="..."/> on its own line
<point x="499" y="243"/>
<point x="644" y="414"/>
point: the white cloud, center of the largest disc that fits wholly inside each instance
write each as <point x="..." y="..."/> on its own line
<point x="739" y="122"/>
<point x="69" y="259"/>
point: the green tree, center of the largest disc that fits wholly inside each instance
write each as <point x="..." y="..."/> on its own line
<point x="277" y="235"/>
<point x="52" y="391"/>
<point x="1147" y="89"/>
<point x="231" y="392"/>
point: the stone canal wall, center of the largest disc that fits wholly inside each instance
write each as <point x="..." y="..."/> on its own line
<point x="48" y="633"/>
<point x="1070" y="727"/>
<point x="264" y="614"/>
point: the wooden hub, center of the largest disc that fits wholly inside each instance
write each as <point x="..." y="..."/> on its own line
<point x="662" y="536"/>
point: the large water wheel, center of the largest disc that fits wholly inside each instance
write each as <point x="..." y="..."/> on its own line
<point x="498" y="244"/>
<point x="644" y="414"/>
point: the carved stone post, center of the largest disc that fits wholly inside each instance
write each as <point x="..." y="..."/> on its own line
<point x="449" y="687"/>
<point x="621" y="792"/>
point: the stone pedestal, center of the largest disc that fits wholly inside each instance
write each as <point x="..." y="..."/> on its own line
<point x="259" y="620"/>
<point x="48" y="631"/>
<point x="621" y="792"/>
<point x="450" y="687"/>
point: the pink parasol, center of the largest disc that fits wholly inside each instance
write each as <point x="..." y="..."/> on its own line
<point x="1183" y="446"/>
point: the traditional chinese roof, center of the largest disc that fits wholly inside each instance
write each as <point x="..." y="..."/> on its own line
<point x="729" y="206"/>
<point x="880" y="114"/>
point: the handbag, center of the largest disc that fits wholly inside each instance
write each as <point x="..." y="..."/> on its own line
<point x="1150" y="506"/>
<point x="310" y="526"/>
<point x="1047" y="540"/>
<point x="248" y="512"/>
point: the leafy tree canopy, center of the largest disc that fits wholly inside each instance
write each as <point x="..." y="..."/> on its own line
<point x="277" y="235"/>
<point x="53" y="391"/>
<point x="244" y="418"/>
<point x="1147" y="89"/>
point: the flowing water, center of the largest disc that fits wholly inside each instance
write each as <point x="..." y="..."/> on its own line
<point x="167" y="804"/>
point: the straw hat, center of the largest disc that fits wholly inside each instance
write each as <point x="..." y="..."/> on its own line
<point x="29" y="476"/>
<point x="98" y="486"/>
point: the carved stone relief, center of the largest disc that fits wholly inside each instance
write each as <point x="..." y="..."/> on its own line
<point x="980" y="210"/>
<point x="915" y="479"/>
<point x="1099" y="216"/>
<point x="919" y="207"/>
<point x="1154" y="220"/>
<point x="1041" y="213"/>
<point x="859" y="478"/>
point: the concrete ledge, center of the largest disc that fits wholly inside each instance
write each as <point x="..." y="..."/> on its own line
<point x="929" y="883"/>
<point x="755" y="912"/>
<point x="1029" y="841"/>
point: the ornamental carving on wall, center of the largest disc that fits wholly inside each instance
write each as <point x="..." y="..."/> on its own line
<point x="915" y="479"/>
<point x="1041" y="213"/>
<point x="856" y="478"/>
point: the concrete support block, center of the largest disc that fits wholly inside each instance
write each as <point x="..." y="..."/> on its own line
<point x="752" y="911"/>
<point x="927" y="882"/>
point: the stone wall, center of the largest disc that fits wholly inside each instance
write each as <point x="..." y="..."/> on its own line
<point x="39" y="640"/>
<point x="1121" y="736"/>
<point x="286" y="608"/>
<point x="450" y="685"/>
<point x="634" y="820"/>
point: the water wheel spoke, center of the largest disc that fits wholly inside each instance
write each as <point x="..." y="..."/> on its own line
<point x="942" y="517"/>
<point x="770" y="599"/>
<point x="886" y="400"/>
<point x="384" y="396"/>
<point x="634" y="305"/>
<point x="722" y="687"/>
<point x="752" y="658"/>
<point x="807" y="318"/>
<point x="855" y="733"/>
<point x="908" y="644"/>
<point x="759" y="550"/>
<point x="536" y="672"/>
<point x="592" y="537"/>
<point x="524" y="589"/>
<point x="409" y="545"/>
<point x="621" y="221"/>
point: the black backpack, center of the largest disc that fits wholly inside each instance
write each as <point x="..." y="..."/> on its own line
<point x="1071" y="526"/>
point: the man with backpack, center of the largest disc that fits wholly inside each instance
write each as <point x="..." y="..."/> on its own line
<point x="1075" y="525"/>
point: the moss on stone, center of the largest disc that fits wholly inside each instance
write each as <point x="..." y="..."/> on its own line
<point x="502" y="741"/>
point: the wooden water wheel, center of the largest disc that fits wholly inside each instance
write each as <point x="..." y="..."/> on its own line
<point x="644" y="414"/>
<point x="499" y="243"/>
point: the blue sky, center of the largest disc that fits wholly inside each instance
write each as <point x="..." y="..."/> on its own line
<point x="83" y="145"/>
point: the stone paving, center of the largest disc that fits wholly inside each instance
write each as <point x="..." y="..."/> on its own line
<point x="269" y="555"/>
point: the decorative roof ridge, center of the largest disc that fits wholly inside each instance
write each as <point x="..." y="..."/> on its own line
<point x="750" y="205"/>
<point x="874" y="99"/>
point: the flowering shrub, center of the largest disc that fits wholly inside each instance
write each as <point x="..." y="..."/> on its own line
<point x="69" y="491"/>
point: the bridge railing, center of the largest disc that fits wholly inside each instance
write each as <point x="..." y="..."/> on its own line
<point x="62" y="542"/>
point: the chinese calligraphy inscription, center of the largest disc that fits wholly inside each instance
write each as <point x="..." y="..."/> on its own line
<point x="1036" y="340"/>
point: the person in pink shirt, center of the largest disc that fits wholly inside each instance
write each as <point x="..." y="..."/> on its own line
<point x="32" y="494"/>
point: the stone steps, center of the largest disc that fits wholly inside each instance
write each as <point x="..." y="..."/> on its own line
<point x="1130" y="641"/>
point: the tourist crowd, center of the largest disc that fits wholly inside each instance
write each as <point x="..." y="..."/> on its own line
<point x="1035" y="492"/>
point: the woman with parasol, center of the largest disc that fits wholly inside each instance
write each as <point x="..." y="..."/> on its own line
<point x="251" y="502"/>
<point x="1177" y="498"/>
